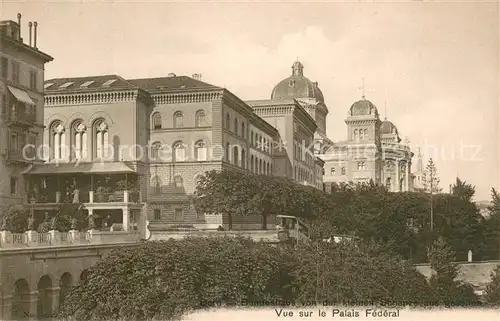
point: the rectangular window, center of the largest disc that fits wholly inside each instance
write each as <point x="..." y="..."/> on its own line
<point x="4" y="67"/>
<point x="3" y="104"/>
<point x="157" y="215"/>
<point x="178" y="214"/>
<point x="33" y="80"/>
<point x="15" y="72"/>
<point x="13" y="186"/>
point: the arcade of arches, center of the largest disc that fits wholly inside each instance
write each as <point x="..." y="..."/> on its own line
<point x="45" y="300"/>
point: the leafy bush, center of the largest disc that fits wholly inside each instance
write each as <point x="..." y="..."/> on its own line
<point x="16" y="219"/>
<point x="162" y="280"/>
<point x="492" y="295"/>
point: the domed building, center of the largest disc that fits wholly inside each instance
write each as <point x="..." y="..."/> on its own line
<point x="372" y="151"/>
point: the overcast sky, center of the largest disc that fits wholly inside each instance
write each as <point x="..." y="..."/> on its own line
<point x="435" y="65"/>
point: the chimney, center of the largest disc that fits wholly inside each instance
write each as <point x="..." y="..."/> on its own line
<point x="30" y="25"/>
<point x="35" y="24"/>
<point x="171" y="74"/>
<point x="196" y="76"/>
<point x="19" y="23"/>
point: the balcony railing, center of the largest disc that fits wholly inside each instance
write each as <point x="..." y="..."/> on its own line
<point x="88" y="197"/>
<point x="21" y="117"/>
<point x="19" y="155"/>
<point x="55" y="238"/>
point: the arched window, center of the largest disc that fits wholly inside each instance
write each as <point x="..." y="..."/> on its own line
<point x="200" y="151"/>
<point x="243" y="159"/>
<point x="228" y="121"/>
<point x="388" y="183"/>
<point x="260" y="143"/>
<point x="179" y="152"/>
<point x="268" y="169"/>
<point x="252" y="167"/>
<point x="356" y="137"/>
<point x="260" y="166"/>
<point x="58" y="140"/>
<point x="365" y="133"/>
<point x="101" y="139"/>
<point x="200" y="118"/>
<point x="178" y="181"/>
<point x="79" y="140"/>
<point x="228" y="152"/>
<point x="236" y="126"/>
<point x="251" y="138"/>
<point x="401" y="184"/>
<point x="332" y="171"/>
<point x="361" y="166"/>
<point x="342" y="171"/>
<point x="271" y="168"/>
<point x="256" y="142"/>
<point x="155" y="151"/>
<point x="256" y="167"/>
<point x="235" y="156"/>
<point x="157" y="121"/>
<point x="178" y="119"/>
<point x="243" y="129"/>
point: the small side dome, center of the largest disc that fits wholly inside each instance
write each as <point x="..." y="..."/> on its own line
<point x="387" y="127"/>
<point x="363" y="107"/>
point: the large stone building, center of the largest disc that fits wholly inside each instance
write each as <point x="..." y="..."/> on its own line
<point x="131" y="150"/>
<point x="21" y="106"/>
<point x="372" y="151"/>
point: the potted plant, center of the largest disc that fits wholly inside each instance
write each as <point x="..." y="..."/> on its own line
<point x="101" y="193"/>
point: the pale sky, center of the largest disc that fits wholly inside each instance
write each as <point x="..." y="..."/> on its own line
<point x="435" y="65"/>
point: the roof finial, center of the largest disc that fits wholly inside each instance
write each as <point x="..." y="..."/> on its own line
<point x="385" y="110"/>
<point x="363" y="89"/>
<point x="297" y="68"/>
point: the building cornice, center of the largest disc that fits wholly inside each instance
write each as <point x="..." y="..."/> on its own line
<point x="84" y="97"/>
<point x="187" y="96"/>
<point x="28" y="49"/>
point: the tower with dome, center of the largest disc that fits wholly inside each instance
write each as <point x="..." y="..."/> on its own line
<point x="372" y="150"/>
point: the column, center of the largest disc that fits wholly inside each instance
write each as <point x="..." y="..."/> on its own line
<point x="91" y="196"/>
<point x="125" y="221"/>
<point x="397" y="176"/>
<point x="54" y="300"/>
<point x="5" y="312"/>
<point x="32" y="303"/>
<point x="407" y="183"/>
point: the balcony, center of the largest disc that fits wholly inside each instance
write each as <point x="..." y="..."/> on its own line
<point x="20" y="157"/>
<point x="133" y="197"/>
<point x="20" y="118"/>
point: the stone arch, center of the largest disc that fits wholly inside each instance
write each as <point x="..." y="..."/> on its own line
<point x="56" y="117"/>
<point x="100" y="115"/>
<point x="65" y="284"/>
<point x="44" y="306"/>
<point x="20" y="300"/>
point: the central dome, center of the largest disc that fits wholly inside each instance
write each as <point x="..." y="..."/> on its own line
<point x="297" y="86"/>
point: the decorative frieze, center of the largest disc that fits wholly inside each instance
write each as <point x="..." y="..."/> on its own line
<point x="52" y="100"/>
<point x="186" y="98"/>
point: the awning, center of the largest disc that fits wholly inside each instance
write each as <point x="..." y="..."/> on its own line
<point x="116" y="167"/>
<point x="79" y="168"/>
<point x="21" y="95"/>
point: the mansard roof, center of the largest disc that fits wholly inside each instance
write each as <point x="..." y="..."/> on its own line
<point x="86" y="83"/>
<point x="171" y="83"/>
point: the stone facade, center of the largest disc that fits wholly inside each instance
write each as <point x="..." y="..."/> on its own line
<point x="373" y="149"/>
<point x="21" y="106"/>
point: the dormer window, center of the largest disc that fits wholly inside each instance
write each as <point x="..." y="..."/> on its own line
<point x="108" y="83"/>
<point x="87" y="83"/>
<point x="291" y="83"/>
<point x="66" y="85"/>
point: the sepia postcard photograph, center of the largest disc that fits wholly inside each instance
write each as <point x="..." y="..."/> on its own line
<point x="249" y="160"/>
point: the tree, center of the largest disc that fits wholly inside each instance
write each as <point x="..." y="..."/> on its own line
<point x="16" y="219"/>
<point x="492" y="225"/>
<point x="492" y="293"/>
<point x="430" y="178"/>
<point x="463" y="190"/>
<point x="447" y="290"/>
